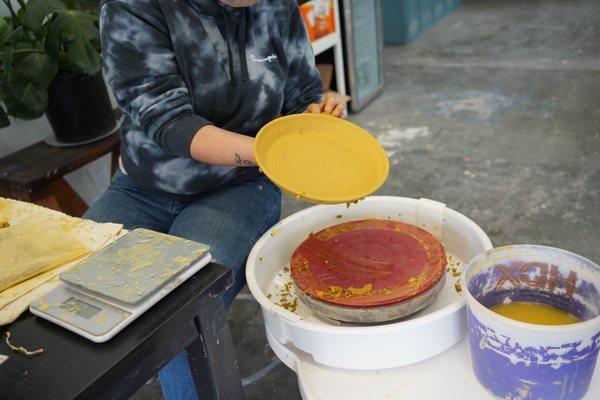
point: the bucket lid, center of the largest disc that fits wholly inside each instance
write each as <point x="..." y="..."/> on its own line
<point x="368" y="263"/>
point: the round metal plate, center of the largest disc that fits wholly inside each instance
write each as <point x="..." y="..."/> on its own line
<point x="372" y="315"/>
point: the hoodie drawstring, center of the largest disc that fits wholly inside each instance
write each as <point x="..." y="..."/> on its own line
<point x="242" y="45"/>
<point x="241" y="26"/>
<point x="229" y="52"/>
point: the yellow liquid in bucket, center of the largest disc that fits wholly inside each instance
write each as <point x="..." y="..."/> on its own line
<point x="535" y="313"/>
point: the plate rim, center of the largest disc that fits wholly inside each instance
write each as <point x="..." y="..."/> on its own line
<point x="313" y="199"/>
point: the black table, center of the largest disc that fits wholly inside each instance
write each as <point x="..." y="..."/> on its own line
<point x="192" y="317"/>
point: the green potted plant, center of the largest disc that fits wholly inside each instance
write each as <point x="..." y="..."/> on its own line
<point x="50" y="63"/>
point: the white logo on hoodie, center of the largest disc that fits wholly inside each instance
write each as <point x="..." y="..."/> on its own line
<point x="269" y="58"/>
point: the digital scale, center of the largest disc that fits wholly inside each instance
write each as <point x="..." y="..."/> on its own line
<point x="104" y="293"/>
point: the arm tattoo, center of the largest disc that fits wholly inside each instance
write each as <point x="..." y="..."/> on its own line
<point x="243" y="162"/>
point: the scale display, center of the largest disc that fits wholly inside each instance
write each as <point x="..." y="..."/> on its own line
<point x="108" y="290"/>
<point x="80" y="308"/>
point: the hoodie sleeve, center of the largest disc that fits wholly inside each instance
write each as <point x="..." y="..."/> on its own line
<point x="142" y="71"/>
<point x="303" y="85"/>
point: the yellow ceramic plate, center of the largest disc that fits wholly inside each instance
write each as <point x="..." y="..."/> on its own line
<point x="321" y="159"/>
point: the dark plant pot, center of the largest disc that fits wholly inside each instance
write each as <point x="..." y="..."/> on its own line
<point x="79" y="108"/>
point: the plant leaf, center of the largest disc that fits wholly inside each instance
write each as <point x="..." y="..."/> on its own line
<point x="36" y="12"/>
<point x="17" y="35"/>
<point x="26" y="85"/>
<point x="53" y="38"/>
<point x="5" y="50"/>
<point x="26" y="100"/>
<point x="39" y="68"/>
<point x="4" y="30"/>
<point x="79" y="29"/>
<point x="89" y="5"/>
<point x="84" y="57"/>
<point x="4" y="121"/>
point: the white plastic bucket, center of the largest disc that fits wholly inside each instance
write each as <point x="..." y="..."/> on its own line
<point x="429" y="332"/>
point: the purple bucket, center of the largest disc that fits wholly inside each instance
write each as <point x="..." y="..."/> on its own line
<point x="521" y="361"/>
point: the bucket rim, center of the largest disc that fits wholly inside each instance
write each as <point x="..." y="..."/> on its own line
<point x="288" y="317"/>
<point x="531" y="327"/>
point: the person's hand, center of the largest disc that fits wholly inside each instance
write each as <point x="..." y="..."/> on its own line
<point x="330" y="105"/>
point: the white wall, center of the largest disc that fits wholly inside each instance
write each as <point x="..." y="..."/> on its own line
<point x="89" y="181"/>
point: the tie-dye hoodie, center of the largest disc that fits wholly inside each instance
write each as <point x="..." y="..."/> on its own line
<point x="178" y="65"/>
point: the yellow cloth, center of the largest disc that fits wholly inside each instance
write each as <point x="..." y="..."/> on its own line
<point x="31" y="248"/>
<point x="18" y="290"/>
<point x="36" y="245"/>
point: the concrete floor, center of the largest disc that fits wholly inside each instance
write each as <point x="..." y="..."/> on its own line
<point x="494" y="111"/>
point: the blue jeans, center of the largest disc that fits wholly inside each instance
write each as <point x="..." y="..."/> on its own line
<point x="229" y="221"/>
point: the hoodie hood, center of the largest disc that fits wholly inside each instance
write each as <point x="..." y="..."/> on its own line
<point x="234" y="24"/>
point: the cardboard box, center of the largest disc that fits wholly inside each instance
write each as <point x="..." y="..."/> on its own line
<point x="308" y="15"/>
<point x="326" y="72"/>
<point x="318" y="16"/>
